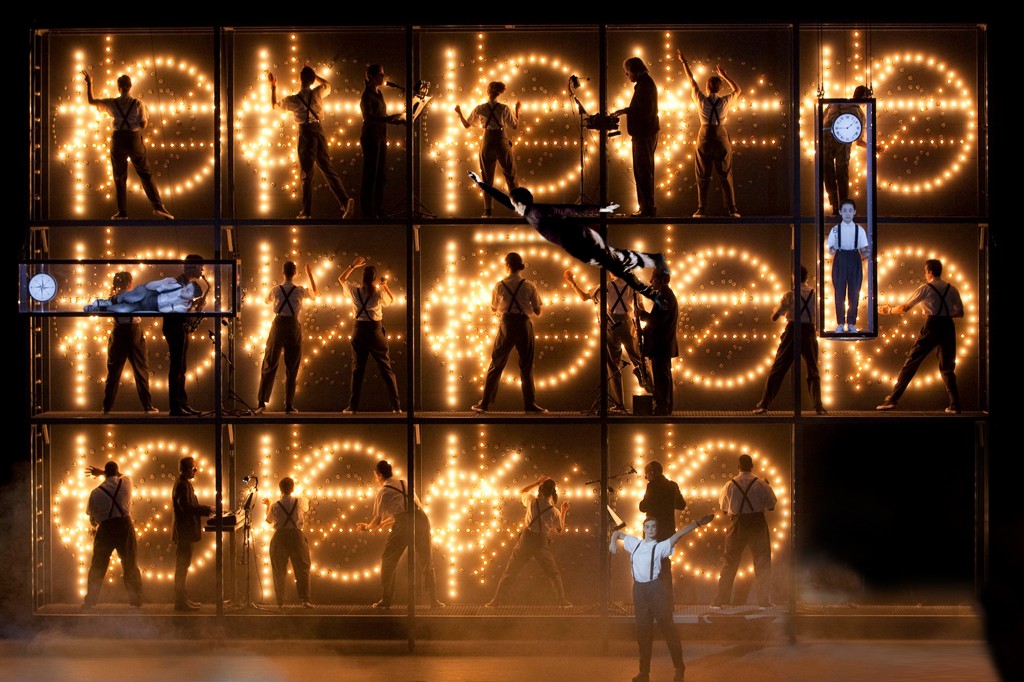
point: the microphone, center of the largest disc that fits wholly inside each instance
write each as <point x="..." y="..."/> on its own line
<point x="394" y="85"/>
<point x="574" y="81"/>
<point x="250" y="477"/>
<point x="631" y="469"/>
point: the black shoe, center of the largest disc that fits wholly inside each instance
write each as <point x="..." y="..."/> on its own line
<point x="820" y="409"/>
<point x="534" y="408"/>
<point x="479" y="407"/>
<point x="178" y="413"/>
<point x="185" y="606"/>
<point x="290" y="409"/>
<point x="486" y="214"/>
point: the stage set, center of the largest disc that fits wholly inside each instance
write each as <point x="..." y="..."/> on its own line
<point x="917" y="172"/>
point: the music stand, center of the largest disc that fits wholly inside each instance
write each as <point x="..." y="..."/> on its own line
<point x="420" y="100"/>
<point x="246" y="509"/>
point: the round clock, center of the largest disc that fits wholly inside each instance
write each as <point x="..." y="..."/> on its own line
<point x="846" y="128"/>
<point x="42" y="287"/>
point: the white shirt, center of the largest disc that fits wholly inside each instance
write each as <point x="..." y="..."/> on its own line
<point x="807" y="306"/>
<point x="620" y="297"/>
<point x="375" y="302"/>
<point x="307" y="105"/>
<point x="931" y="299"/>
<point x="646" y="557"/>
<point x="288" y="299"/>
<point x="503" y="116"/>
<point x="547" y="518"/>
<point x="712" y="109"/>
<point x="174" y="297"/>
<point x="277" y="515"/>
<point x="759" y="496"/>
<point x="525" y="302"/>
<point x="391" y="499"/>
<point x="102" y="500"/>
<point x="128" y="113"/>
<point x="843" y="237"/>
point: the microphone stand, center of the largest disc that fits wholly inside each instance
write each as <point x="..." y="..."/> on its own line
<point x="229" y="391"/>
<point x="615" y="607"/>
<point x="582" y="198"/>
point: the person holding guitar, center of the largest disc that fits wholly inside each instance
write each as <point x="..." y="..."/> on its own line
<point x="621" y="319"/>
<point x="652" y="602"/>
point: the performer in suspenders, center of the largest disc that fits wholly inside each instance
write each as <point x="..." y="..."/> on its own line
<point x="129" y="118"/>
<point x="369" y="336"/>
<point x="307" y="106"/>
<point x="495" y="147"/>
<point x="560" y="224"/>
<point x="660" y="502"/>
<point x="652" y="596"/>
<point x="848" y="245"/>
<point x="941" y="302"/>
<point x="391" y="508"/>
<point x="109" y="510"/>
<point x="516" y="300"/>
<point x="287" y="515"/>
<point x="127" y="342"/>
<point x="285" y="336"/>
<point x="803" y="312"/>
<point x="623" y="313"/>
<point x="713" y="148"/>
<point x="534" y="541"/>
<point x="745" y="498"/>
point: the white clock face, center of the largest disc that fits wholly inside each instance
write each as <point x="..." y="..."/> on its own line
<point x="42" y="287"/>
<point x="846" y="128"/>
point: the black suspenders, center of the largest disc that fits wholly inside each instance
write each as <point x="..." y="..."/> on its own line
<point x="405" y="500"/>
<point x="650" y="573"/>
<point x="715" y="117"/>
<point x="362" y="307"/>
<point x="124" y="125"/>
<point x="805" y="307"/>
<point x="308" y="103"/>
<point x="513" y="293"/>
<point x="490" y="117"/>
<point x="291" y="515"/>
<point x="618" y="299"/>
<point x="286" y="301"/>
<point x="746" y="500"/>
<point x="537" y="514"/>
<point x="943" y="308"/>
<point x="113" y="500"/>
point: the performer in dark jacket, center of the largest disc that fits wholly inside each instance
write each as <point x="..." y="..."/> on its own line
<point x="660" y="343"/>
<point x="374" y="142"/>
<point x="643" y="125"/>
<point x="188" y="529"/>
<point x="661" y="500"/>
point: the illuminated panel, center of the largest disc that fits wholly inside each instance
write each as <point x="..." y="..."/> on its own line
<point x="152" y="464"/>
<point x="863" y="365"/>
<point x="177" y="91"/>
<point x="926" y="114"/>
<point x="266" y="137"/>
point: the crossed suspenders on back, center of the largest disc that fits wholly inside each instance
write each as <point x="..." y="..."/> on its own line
<point x="654" y="546"/>
<point x="362" y="309"/>
<point x="290" y="518"/>
<point x="308" y="103"/>
<point x="805" y="307"/>
<point x="943" y="308"/>
<point x="490" y="117"/>
<point x="124" y="125"/>
<point x="113" y="501"/>
<point x="746" y="499"/>
<point x="286" y="301"/>
<point x="619" y="294"/>
<point x="514" y="302"/>
<point x="715" y="115"/>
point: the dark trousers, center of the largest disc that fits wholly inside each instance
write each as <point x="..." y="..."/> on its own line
<point x="747" y="530"/>
<point x="847" y="276"/>
<point x="515" y="331"/>
<point x="531" y="545"/>
<point x="938" y="334"/>
<point x="835" y="169"/>
<point x="587" y="246"/>
<point x="124" y="145"/>
<point x="784" y="360"/>
<point x="371" y="194"/>
<point x="290" y="544"/>
<point x="496" y="149"/>
<point x="714" y="154"/>
<point x="399" y="539"/>
<point x="115" y="535"/>
<point x="182" y="560"/>
<point x="661" y="375"/>
<point x="369" y="339"/>
<point x="643" y="170"/>
<point x="127" y="343"/>
<point x="652" y="603"/>
<point x="177" y="360"/>
<point x="312" y="149"/>
<point x="285" y="338"/>
<point x="621" y="340"/>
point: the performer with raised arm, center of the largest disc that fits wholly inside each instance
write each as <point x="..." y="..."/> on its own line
<point x="560" y="224"/>
<point x="307" y="106"/>
<point x="495" y="148"/>
<point x="534" y="541"/>
<point x="129" y="117"/>
<point x="109" y="510"/>
<point x="369" y="337"/>
<point x="652" y="599"/>
<point x="661" y="501"/>
<point x="285" y="336"/>
<point x="714" y="148"/>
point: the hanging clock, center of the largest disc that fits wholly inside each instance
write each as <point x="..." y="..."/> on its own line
<point x="42" y="287"/>
<point x="846" y="128"/>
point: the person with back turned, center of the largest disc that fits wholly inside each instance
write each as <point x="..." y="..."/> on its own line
<point x="109" y="510"/>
